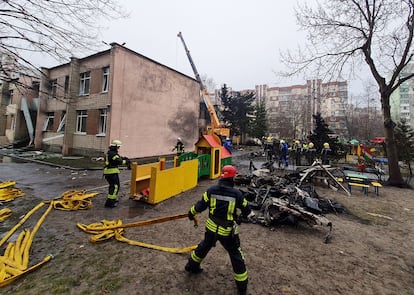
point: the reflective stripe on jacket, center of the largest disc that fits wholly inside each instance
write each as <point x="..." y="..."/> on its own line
<point x="222" y="201"/>
<point x="112" y="161"/>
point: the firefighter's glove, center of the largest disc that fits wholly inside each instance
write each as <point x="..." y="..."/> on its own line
<point x="127" y="162"/>
<point x="191" y="216"/>
<point x="239" y="219"/>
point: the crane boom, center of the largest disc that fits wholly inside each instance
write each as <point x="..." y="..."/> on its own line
<point x="216" y="126"/>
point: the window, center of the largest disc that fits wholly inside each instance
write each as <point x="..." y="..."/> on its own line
<point x="13" y="123"/>
<point x="103" y="115"/>
<point x="53" y="88"/>
<point x="9" y="98"/>
<point x="66" y="85"/>
<point x="62" y="123"/>
<point x="85" y="79"/>
<point x="105" y="79"/>
<point x="48" y="125"/>
<point x="81" y="121"/>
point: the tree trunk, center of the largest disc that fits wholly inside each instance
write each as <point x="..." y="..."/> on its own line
<point x="395" y="178"/>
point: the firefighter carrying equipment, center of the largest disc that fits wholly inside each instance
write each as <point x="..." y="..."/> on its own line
<point x="107" y="229"/>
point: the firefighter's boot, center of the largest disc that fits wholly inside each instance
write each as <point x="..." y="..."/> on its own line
<point x="193" y="267"/>
<point x="111" y="203"/>
<point x="241" y="287"/>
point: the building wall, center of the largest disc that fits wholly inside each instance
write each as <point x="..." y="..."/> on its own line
<point x="148" y="106"/>
<point x="151" y="106"/>
<point x="13" y="123"/>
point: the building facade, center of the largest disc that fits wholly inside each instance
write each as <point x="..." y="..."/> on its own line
<point x="116" y="94"/>
<point x="290" y="108"/>
<point x="18" y="109"/>
<point x="402" y="99"/>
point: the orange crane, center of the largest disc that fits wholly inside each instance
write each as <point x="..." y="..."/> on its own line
<point x="216" y="126"/>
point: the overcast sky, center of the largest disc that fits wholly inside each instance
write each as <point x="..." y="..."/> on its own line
<point x="237" y="42"/>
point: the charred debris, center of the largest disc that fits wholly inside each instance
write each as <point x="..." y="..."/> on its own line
<point x="291" y="198"/>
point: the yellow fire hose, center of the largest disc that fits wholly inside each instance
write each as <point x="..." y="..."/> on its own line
<point x="8" y="194"/>
<point x="5" y="213"/>
<point x="14" y="263"/>
<point x="106" y="230"/>
<point x="7" y="184"/>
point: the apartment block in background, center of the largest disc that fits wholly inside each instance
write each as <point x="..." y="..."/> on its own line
<point x="290" y="108"/>
<point x="402" y="99"/>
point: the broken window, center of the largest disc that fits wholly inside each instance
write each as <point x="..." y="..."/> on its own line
<point x="48" y="125"/>
<point x="81" y="117"/>
<point x="53" y="88"/>
<point x="105" y="79"/>
<point x="85" y="80"/>
<point x="103" y="115"/>
<point x="62" y="123"/>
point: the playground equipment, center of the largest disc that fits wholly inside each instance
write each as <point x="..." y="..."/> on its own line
<point x="153" y="183"/>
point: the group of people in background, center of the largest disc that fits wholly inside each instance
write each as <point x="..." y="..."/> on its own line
<point x="298" y="153"/>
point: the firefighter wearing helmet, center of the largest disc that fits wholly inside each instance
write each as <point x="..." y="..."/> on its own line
<point x="111" y="172"/>
<point x="311" y="153"/>
<point x="222" y="201"/>
<point x="325" y="153"/>
<point x="179" y="146"/>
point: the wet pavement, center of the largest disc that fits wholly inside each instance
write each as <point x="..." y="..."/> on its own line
<point x="48" y="182"/>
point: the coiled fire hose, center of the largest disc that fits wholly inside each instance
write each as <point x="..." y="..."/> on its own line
<point x="8" y="192"/>
<point x="106" y="230"/>
<point x="5" y="213"/>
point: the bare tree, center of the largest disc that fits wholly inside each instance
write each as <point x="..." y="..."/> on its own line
<point x="54" y="28"/>
<point x="344" y="34"/>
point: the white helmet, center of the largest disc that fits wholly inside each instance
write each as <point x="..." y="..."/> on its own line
<point x="179" y="139"/>
<point x="116" y="143"/>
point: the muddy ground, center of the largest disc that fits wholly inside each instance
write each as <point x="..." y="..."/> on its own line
<point x="366" y="255"/>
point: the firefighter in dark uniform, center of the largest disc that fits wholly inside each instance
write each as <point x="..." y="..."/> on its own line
<point x="179" y="146"/>
<point x="222" y="201"/>
<point x="111" y="172"/>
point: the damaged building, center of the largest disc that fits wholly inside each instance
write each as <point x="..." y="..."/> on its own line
<point x="116" y="94"/>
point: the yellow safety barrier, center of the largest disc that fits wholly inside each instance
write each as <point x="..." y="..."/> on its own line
<point x="162" y="184"/>
<point x="5" y="213"/>
<point x="106" y="230"/>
